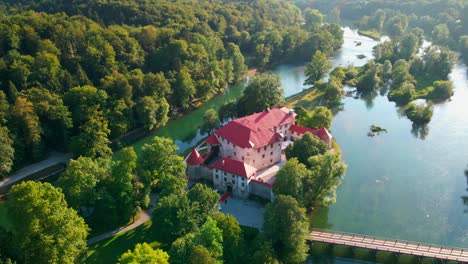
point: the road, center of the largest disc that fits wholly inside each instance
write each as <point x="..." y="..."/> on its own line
<point x="54" y="158"/>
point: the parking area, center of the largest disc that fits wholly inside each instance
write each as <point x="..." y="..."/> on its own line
<point x="247" y="212"/>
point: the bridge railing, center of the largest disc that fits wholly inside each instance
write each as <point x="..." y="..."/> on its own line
<point x="389" y="239"/>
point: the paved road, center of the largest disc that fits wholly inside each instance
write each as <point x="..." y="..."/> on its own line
<point x="54" y="158"/>
<point x="143" y="217"/>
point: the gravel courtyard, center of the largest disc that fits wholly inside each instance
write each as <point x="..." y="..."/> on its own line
<point x="247" y="212"/>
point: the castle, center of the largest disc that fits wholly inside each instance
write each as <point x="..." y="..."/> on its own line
<point x="243" y="156"/>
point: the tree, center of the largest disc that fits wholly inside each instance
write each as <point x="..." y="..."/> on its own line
<point x="93" y="139"/>
<point x="286" y="225"/>
<point x="27" y="131"/>
<point x="264" y="90"/>
<point x="184" y="89"/>
<point x="45" y="229"/>
<point x="201" y="255"/>
<point x="419" y="114"/>
<point x="232" y="237"/>
<point x="210" y="121"/>
<point x="54" y="116"/>
<point x="152" y="114"/>
<point x="181" y="249"/>
<point x="313" y="18"/>
<point x="317" y="68"/>
<point x="320" y="117"/>
<point x="79" y="181"/>
<point x="289" y="179"/>
<point x="173" y="217"/>
<point x="264" y="254"/>
<point x="309" y="145"/>
<point x="122" y="185"/>
<point x="204" y="202"/>
<point x="443" y="90"/>
<point x="327" y="172"/>
<point x="7" y="152"/>
<point x="144" y="254"/>
<point x="210" y="237"/>
<point x="4" y="108"/>
<point x="159" y="157"/>
<point x="239" y="67"/>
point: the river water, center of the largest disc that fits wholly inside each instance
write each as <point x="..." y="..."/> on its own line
<point x="406" y="184"/>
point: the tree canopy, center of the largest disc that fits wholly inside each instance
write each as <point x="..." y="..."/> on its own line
<point x="44" y="228"/>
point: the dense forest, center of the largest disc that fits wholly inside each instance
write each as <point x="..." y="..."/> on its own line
<point x="75" y="75"/>
<point x="444" y="22"/>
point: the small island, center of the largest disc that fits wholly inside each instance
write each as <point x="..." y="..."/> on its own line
<point x="375" y="131"/>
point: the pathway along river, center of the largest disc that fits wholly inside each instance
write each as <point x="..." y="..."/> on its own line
<point x="398" y="185"/>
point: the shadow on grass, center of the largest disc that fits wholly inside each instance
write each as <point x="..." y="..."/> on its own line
<point x="109" y="250"/>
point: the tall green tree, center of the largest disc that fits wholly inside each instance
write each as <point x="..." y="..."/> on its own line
<point x="232" y="237"/>
<point x="210" y="121"/>
<point x="289" y="179"/>
<point x="309" y="145"/>
<point x="327" y="172"/>
<point x="79" y="182"/>
<point x="317" y="68"/>
<point x="320" y="117"/>
<point x="27" y="131"/>
<point x="45" y="229"/>
<point x="184" y="89"/>
<point x="144" y="254"/>
<point x="7" y="152"/>
<point x="152" y="113"/>
<point x="264" y="90"/>
<point x="286" y="225"/>
<point x="93" y="139"/>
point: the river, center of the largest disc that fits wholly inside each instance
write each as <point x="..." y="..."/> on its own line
<point x="406" y="184"/>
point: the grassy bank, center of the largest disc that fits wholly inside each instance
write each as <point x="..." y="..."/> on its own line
<point x="370" y="34"/>
<point x="308" y="99"/>
<point x="109" y="250"/>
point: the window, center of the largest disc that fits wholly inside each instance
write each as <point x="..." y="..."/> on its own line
<point x="243" y="179"/>
<point x="264" y="148"/>
<point x="234" y="153"/>
<point x="216" y="176"/>
<point x="271" y="146"/>
<point x="258" y="150"/>
<point x="242" y="184"/>
<point x="225" y="179"/>
<point x="224" y="173"/>
<point x="271" y="153"/>
<point x="242" y="157"/>
<point x="233" y="181"/>
<point x="263" y="156"/>
<point x="271" y="160"/>
<point x="216" y="170"/>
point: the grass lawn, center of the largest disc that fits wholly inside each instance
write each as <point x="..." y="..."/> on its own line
<point x="3" y="216"/>
<point x="308" y="99"/>
<point x="109" y="250"/>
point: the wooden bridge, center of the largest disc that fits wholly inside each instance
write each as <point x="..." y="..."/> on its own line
<point x="389" y="245"/>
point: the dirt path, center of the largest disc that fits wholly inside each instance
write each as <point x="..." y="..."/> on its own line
<point x="142" y="217"/>
<point x="54" y="158"/>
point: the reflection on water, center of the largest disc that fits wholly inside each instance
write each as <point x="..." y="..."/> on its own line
<point x="397" y="185"/>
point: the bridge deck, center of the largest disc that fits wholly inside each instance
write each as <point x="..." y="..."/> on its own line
<point x="388" y="245"/>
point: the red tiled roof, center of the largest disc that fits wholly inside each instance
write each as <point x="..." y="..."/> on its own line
<point x="194" y="158"/>
<point x="235" y="167"/>
<point x="212" y="140"/>
<point x="321" y="133"/>
<point x="256" y="130"/>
